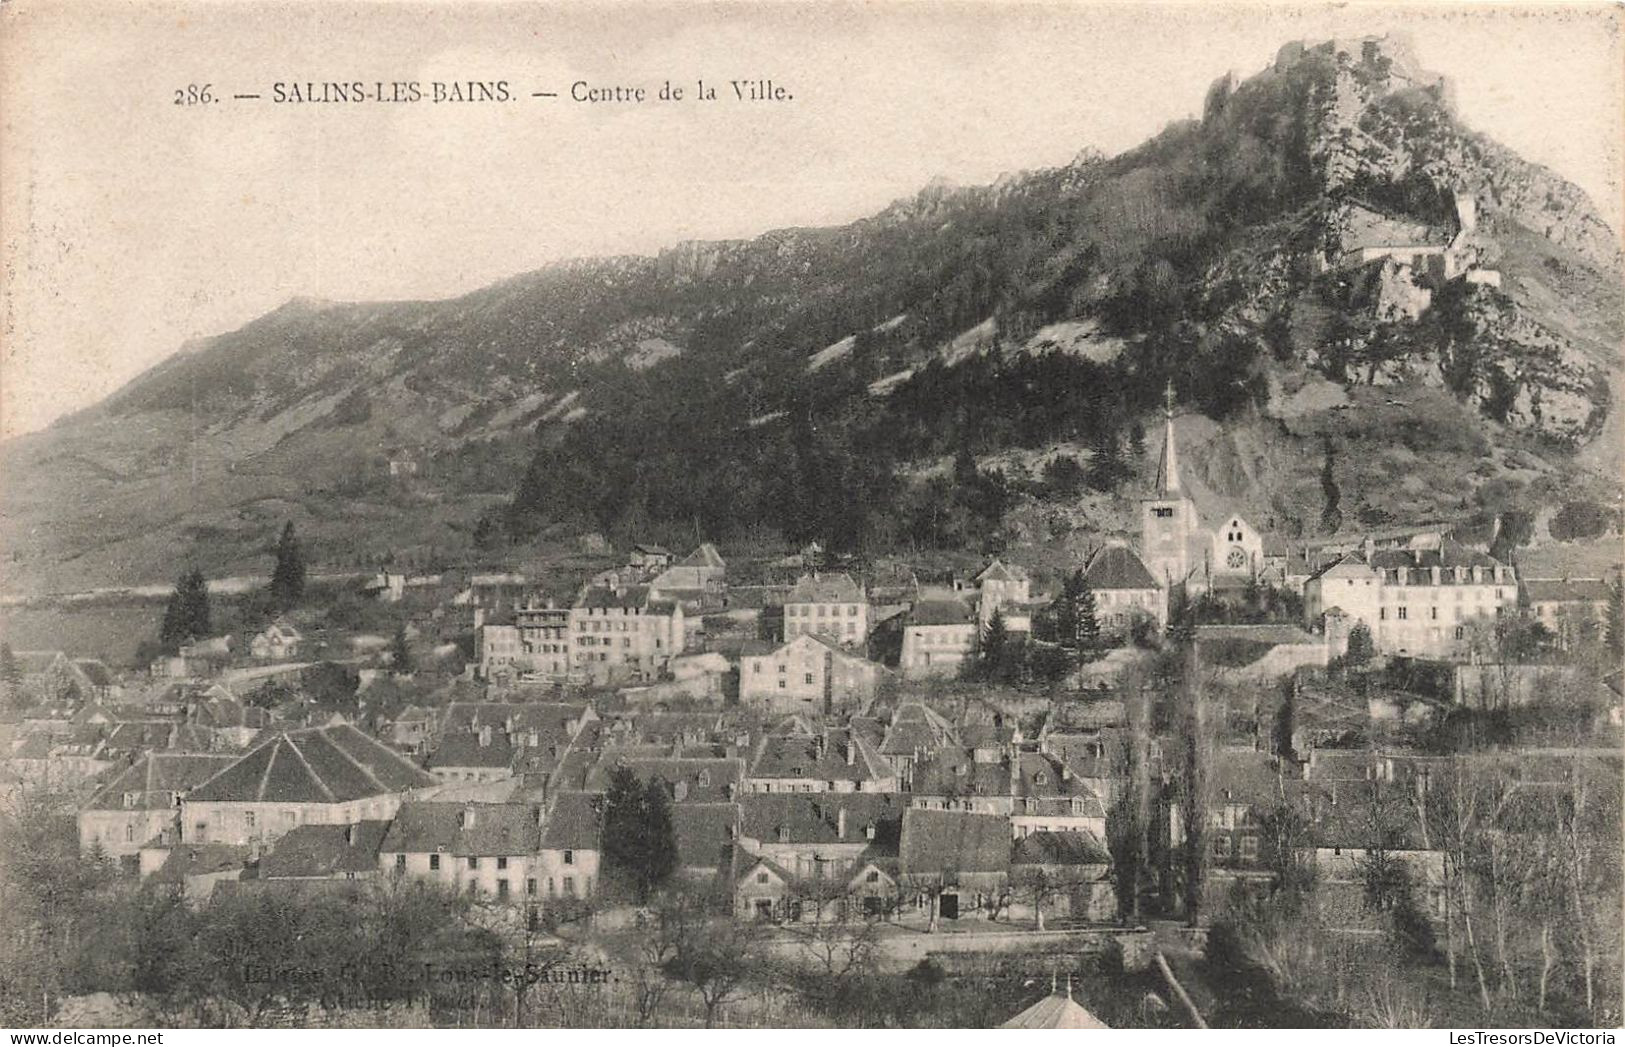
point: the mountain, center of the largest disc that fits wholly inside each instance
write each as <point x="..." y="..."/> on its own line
<point x="1326" y="265"/>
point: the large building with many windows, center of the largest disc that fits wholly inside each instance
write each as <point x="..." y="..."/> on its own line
<point x="1432" y="598"/>
<point x="830" y="605"/>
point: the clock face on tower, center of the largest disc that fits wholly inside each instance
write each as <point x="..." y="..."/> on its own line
<point x="1236" y="559"/>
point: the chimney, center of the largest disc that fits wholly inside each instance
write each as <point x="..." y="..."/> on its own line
<point x="532" y="739"/>
<point x="840" y="824"/>
<point x="469" y="817"/>
<point x="1370" y="548"/>
<point x="1435" y="572"/>
<point x="851" y="752"/>
<point x="485" y="736"/>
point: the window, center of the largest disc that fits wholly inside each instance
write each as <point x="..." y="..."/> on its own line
<point x="502" y="888"/>
<point x="502" y="863"/>
<point x="1433" y="612"/>
<point x="1402" y="611"/>
<point x="1249" y="847"/>
<point x="569" y="886"/>
<point x="400" y="863"/>
<point x="129" y="834"/>
<point x="473" y="863"/>
<point x="761" y="877"/>
<point x="530" y="885"/>
<point x="569" y="857"/>
<point x="434" y="862"/>
<point x="1382" y="613"/>
<point x="1162" y="512"/>
<point x="807" y="678"/>
<point x="873" y="877"/>
<point x="1221" y="847"/>
<point x="248" y="819"/>
<point x="1461" y="632"/>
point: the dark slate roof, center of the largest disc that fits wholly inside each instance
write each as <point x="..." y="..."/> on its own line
<point x="940" y="610"/>
<point x="156" y="778"/>
<point x="464" y="829"/>
<point x="1117" y="567"/>
<point x="95" y="671"/>
<point x="703" y="780"/>
<point x="221" y="713"/>
<point x="1249" y="777"/>
<point x="200" y="859"/>
<point x="826" y="588"/>
<point x="705" y="833"/>
<point x="1059" y="848"/>
<point x="463" y="749"/>
<point x="916" y="727"/>
<point x="573" y="823"/>
<point x="821" y="757"/>
<point x="953" y="771"/>
<point x="325" y="850"/>
<point x="814" y="818"/>
<point x="314" y="765"/>
<point x="601" y="597"/>
<point x="937" y="842"/>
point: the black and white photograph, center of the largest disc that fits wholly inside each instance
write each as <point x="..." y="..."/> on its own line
<point x="898" y="515"/>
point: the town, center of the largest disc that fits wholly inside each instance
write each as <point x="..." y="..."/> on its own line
<point x="1375" y="775"/>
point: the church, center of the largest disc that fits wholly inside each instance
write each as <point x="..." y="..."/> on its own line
<point x="1183" y="545"/>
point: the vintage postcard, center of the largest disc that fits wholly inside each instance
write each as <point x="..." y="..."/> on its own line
<point x="887" y="515"/>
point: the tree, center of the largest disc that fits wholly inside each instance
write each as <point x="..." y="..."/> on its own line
<point x="11" y="674"/>
<point x="1360" y="648"/>
<point x="400" y="652"/>
<point x="186" y="615"/>
<point x="1088" y="623"/>
<point x="995" y="638"/>
<point x="1331" y="516"/>
<point x="640" y="844"/>
<point x="288" y="576"/>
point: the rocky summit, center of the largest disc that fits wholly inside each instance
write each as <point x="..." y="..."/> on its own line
<point x="1327" y="258"/>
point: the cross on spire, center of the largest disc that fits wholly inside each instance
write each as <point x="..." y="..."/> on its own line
<point x="1168" y="399"/>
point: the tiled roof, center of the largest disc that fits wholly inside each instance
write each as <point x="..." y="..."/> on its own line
<point x="464" y="749"/>
<point x="573" y="823"/>
<point x="702" y="780"/>
<point x="705" y="833"/>
<point x="705" y="555"/>
<point x="998" y="571"/>
<point x="325" y="850"/>
<point x="916" y="727"/>
<point x="1060" y="848"/>
<point x="826" y="588"/>
<point x="1117" y="567"/>
<point x="941" y="610"/>
<point x="947" y="842"/>
<point x="821" y="757"/>
<point x="314" y="765"/>
<point x="602" y="598"/>
<point x="201" y="859"/>
<point x="814" y="818"/>
<point x="464" y="829"/>
<point x="156" y="778"/>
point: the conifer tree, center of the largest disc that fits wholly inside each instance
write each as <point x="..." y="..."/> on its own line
<point x="400" y="652"/>
<point x="1088" y="624"/>
<point x="186" y="615"/>
<point x="288" y="577"/>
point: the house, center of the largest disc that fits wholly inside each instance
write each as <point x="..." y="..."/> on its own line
<point x="326" y="852"/>
<point x="1036" y="791"/>
<point x="279" y="642"/>
<point x="1182" y="545"/>
<point x="808" y="673"/>
<point x="916" y="732"/>
<point x="195" y="869"/>
<point x="489" y="850"/>
<point x="323" y="775"/>
<point x="940" y="635"/>
<point x="1003" y="587"/>
<point x="706" y="834"/>
<point x="567" y="859"/>
<point x="800" y="851"/>
<point x="544" y="639"/>
<point x="1426" y="599"/>
<point x="1570" y="608"/>
<point x="1125" y="590"/>
<point x="829" y="605"/>
<point x="143" y="801"/>
<point x="410" y="729"/>
<point x="649" y="557"/>
<point x="229" y="722"/>
<point x="485" y="754"/>
<point x="1065" y="874"/>
<point x="619" y="634"/>
<point x="953" y="861"/>
<point x="52" y="678"/>
<point x="834" y="760"/>
<point x="498" y="650"/>
<point x="687" y="779"/>
<point x="698" y="579"/>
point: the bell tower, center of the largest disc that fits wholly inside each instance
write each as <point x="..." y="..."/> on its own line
<point x="1167" y="515"/>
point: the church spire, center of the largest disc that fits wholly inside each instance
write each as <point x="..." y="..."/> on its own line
<point x="1168" y="465"/>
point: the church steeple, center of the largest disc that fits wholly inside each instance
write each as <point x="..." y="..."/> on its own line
<point x="1168" y="465"/>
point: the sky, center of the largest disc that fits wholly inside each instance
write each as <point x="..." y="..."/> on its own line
<point x="130" y="224"/>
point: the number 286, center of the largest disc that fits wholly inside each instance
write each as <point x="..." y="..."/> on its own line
<point x="194" y="94"/>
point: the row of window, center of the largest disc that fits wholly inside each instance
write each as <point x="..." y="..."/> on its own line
<point x="795" y="610"/>
<point x="1248" y="849"/>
